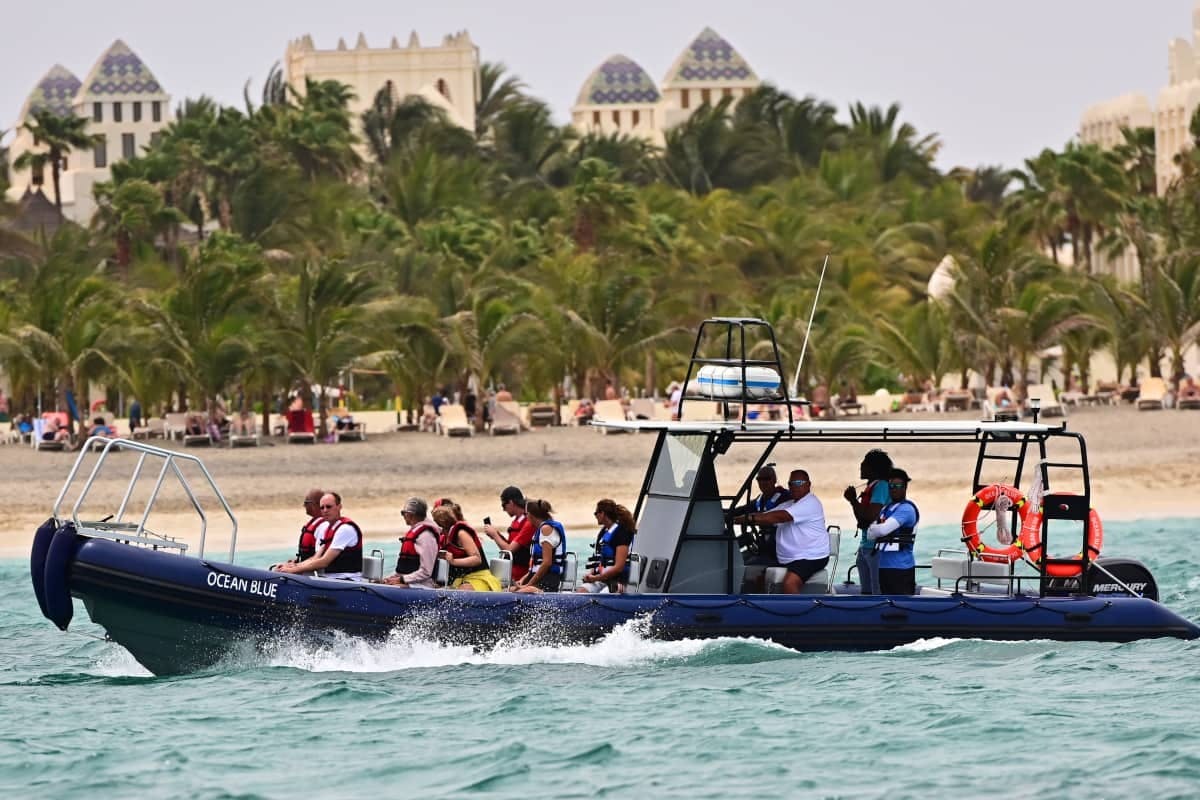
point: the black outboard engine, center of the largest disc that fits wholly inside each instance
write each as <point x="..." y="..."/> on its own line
<point x="1128" y="571"/>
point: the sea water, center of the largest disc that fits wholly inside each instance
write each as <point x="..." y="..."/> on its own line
<point x="626" y="717"/>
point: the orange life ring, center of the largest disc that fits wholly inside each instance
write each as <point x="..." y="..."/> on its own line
<point x="1031" y="540"/>
<point x="970" y="525"/>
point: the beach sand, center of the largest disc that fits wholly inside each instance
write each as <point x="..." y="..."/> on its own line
<point x="1140" y="462"/>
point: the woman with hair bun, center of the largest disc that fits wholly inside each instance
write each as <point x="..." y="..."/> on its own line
<point x="548" y="553"/>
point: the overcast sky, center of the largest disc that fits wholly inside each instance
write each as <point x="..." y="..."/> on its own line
<point x="996" y="81"/>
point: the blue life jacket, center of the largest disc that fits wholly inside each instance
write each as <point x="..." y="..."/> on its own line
<point x="560" y="554"/>
<point x="605" y="554"/>
<point x="904" y="536"/>
<point x="767" y="502"/>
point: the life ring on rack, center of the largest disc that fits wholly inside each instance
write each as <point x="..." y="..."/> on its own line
<point x="1031" y="540"/>
<point x="970" y="523"/>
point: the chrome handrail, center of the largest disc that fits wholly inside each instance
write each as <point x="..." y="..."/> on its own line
<point x="171" y="461"/>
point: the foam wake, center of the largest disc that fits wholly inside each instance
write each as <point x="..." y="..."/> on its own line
<point x="626" y="645"/>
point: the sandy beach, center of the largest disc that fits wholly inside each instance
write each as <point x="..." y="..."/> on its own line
<point x="1139" y="462"/>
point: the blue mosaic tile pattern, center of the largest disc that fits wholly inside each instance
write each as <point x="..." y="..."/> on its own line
<point x="120" y="71"/>
<point x="54" y="91"/>
<point x="710" y="58"/>
<point x="619" y="81"/>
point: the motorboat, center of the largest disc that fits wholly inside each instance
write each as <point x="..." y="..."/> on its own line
<point x="176" y="607"/>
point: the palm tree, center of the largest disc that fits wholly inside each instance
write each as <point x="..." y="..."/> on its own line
<point x="133" y="214"/>
<point x="497" y="94"/>
<point x="59" y="136"/>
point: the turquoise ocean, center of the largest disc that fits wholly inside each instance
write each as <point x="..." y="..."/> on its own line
<point x="627" y="717"/>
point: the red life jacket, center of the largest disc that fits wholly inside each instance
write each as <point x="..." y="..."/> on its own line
<point x="308" y="539"/>
<point x="409" y="559"/>
<point x="350" y="559"/>
<point x="520" y="556"/>
<point x="449" y="543"/>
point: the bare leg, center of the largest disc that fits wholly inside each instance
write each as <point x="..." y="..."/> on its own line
<point x="792" y="584"/>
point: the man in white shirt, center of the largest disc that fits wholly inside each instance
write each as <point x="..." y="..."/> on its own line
<point x="342" y="553"/>
<point x="801" y="539"/>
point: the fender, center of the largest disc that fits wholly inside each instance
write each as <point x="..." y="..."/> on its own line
<point x="62" y="552"/>
<point x="37" y="561"/>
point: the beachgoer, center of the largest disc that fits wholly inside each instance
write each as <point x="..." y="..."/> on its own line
<point x="674" y="398"/>
<point x="894" y="533"/>
<point x="548" y="554"/>
<point x="519" y="537"/>
<point x="503" y="395"/>
<point x="820" y="400"/>
<point x="100" y="427"/>
<point x="52" y="431"/>
<point x="1188" y="390"/>
<point x="461" y="549"/>
<point x="610" y="391"/>
<point x="760" y="545"/>
<point x="418" y="548"/>
<point x="339" y="552"/>
<point x="608" y="568"/>
<point x="874" y="469"/>
<point x="135" y="415"/>
<point x="801" y="539"/>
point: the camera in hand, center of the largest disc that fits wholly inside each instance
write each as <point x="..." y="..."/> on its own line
<point x="487" y="520"/>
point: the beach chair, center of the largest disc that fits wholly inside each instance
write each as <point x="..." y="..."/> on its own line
<point x="541" y="415"/>
<point x="39" y="428"/>
<point x="610" y="410"/>
<point x="354" y="432"/>
<point x="879" y="402"/>
<point x="300" y="428"/>
<point x="998" y="398"/>
<point x="505" y="419"/>
<point x="642" y="408"/>
<point x="1044" y="394"/>
<point x="175" y="425"/>
<point x="1187" y="402"/>
<point x="197" y="439"/>
<point x="1151" y="394"/>
<point x="245" y="439"/>
<point x="452" y="420"/>
<point x="514" y="408"/>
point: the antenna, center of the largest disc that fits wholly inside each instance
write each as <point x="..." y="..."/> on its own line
<point x="794" y="389"/>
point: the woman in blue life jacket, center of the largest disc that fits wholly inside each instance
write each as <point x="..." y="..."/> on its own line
<point x="875" y="468"/>
<point x="547" y="554"/>
<point x="608" y="568"/>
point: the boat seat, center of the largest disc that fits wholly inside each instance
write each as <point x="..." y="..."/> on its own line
<point x="950" y="569"/>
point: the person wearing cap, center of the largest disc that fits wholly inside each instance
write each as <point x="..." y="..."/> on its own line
<point x="894" y="534"/>
<point x="418" y="548"/>
<point x="518" y="539"/>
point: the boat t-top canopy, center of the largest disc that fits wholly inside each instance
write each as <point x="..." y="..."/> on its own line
<point x="833" y="430"/>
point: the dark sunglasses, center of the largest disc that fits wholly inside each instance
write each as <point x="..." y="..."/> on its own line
<point x="897" y="484"/>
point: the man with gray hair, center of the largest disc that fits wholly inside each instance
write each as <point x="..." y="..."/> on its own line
<point x="418" y="548"/>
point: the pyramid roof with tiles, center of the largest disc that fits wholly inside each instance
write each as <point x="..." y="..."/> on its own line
<point x="54" y="92"/>
<point x="709" y="59"/>
<point x="120" y="72"/>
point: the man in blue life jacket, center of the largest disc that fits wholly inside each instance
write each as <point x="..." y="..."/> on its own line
<point x="894" y="533"/>
<point x="758" y="547"/>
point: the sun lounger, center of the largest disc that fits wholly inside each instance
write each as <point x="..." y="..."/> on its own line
<point x="1188" y="403"/>
<point x="153" y="427"/>
<point x="505" y="418"/>
<point x="300" y="428"/>
<point x="354" y="432"/>
<point x="1044" y="394"/>
<point x="880" y="402"/>
<point x="244" y="439"/>
<point x="197" y="439"/>
<point x="175" y="425"/>
<point x="452" y="420"/>
<point x="541" y="415"/>
<point x="609" y="410"/>
<point x="1151" y="394"/>
<point x="38" y="443"/>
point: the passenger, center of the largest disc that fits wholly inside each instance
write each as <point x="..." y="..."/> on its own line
<point x="312" y="532"/>
<point x="135" y="415"/>
<point x="340" y="550"/>
<point x="894" y="534"/>
<point x="874" y="469"/>
<point x="801" y="539"/>
<point x="608" y="568"/>
<point x="418" y="548"/>
<point x="519" y="538"/>
<point x="548" y="555"/>
<point x="461" y="548"/>
<point x="760" y="545"/>
<point x="100" y="427"/>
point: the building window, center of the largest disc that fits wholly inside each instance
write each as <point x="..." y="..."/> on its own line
<point x="706" y="97"/>
<point x="37" y="173"/>
<point x="684" y="99"/>
<point x="443" y="88"/>
<point x="128" y="146"/>
<point x="637" y="117"/>
<point x="97" y="112"/>
<point x="66" y="165"/>
<point x="596" y="118"/>
<point x="137" y="112"/>
<point x="118" y="116"/>
<point x="155" y="138"/>
<point x="156" y="111"/>
<point x="616" y="115"/>
<point x="100" y="152"/>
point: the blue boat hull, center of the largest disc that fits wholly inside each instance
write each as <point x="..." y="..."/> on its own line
<point x="178" y="614"/>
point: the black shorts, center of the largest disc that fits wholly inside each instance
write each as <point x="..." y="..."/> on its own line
<point x="898" y="581"/>
<point x="550" y="582"/>
<point x="805" y="568"/>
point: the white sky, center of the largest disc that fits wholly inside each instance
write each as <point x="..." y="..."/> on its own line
<point x="997" y="81"/>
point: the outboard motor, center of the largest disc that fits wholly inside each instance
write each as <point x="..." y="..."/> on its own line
<point x="1128" y="571"/>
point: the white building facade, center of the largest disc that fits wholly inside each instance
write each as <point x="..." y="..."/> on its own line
<point x="446" y="75"/>
<point x="620" y="97"/>
<point x="125" y="105"/>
